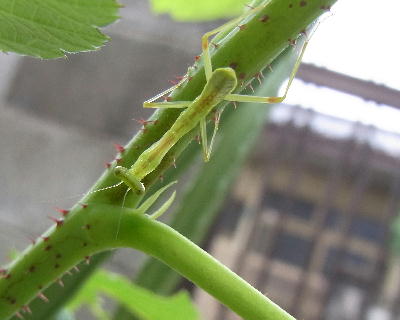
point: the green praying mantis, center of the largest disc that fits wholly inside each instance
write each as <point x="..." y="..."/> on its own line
<point x="220" y="85"/>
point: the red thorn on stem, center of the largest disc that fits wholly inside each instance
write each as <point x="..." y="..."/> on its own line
<point x="19" y="315"/>
<point x="45" y="239"/>
<point x="144" y="122"/>
<point x="184" y="77"/>
<point x="292" y="42"/>
<point x="27" y="309"/>
<point x="58" y="222"/>
<point x="197" y="58"/>
<point x="84" y="205"/>
<point x="60" y="282"/>
<point x="179" y="78"/>
<point x="173" y="82"/>
<point x="118" y="160"/>
<point x="258" y="77"/>
<point x="64" y="212"/>
<point x="119" y="148"/>
<point x="33" y="241"/>
<point x="251" y="87"/>
<point x="242" y="27"/>
<point x="167" y="99"/>
<point x="43" y="297"/>
<point x="107" y="165"/>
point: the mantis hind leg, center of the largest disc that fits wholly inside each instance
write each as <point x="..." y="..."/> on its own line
<point x="257" y="99"/>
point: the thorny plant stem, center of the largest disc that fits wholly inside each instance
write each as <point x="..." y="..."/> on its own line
<point x="104" y="227"/>
<point x="248" y="50"/>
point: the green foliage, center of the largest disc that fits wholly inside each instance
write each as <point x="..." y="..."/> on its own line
<point x="143" y="303"/>
<point x="50" y="28"/>
<point x="194" y="10"/>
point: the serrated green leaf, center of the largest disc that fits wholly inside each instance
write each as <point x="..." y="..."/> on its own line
<point x="195" y="10"/>
<point x="51" y="28"/>
<point x="142" y="302"/>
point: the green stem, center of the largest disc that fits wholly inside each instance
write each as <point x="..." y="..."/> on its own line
<point x="201" y="268"/>
<point x="104" y="227"/>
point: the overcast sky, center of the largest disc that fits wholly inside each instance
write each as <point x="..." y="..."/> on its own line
<point x="357" y="39"/>
<point x="360" y="39"/>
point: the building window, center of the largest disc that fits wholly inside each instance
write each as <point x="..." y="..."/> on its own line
<point x="293" y="206"/>
<point x="292" y="249"/>
<point x="368" y="229"/>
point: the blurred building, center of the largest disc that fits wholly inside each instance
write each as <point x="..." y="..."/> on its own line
<point x="309" y="222"/>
